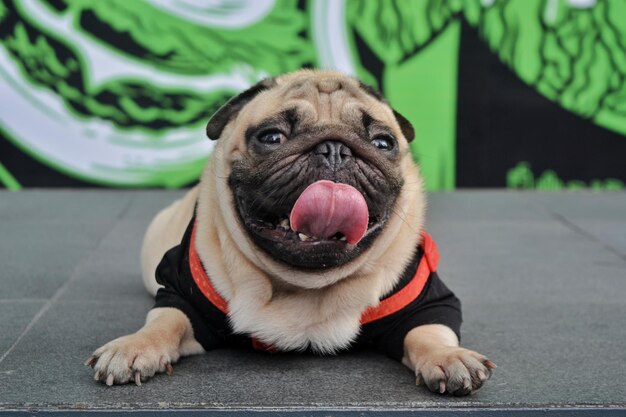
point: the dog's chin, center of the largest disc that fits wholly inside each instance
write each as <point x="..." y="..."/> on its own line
<point x="273" y="234"/>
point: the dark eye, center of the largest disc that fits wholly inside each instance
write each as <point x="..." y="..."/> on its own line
<point x="384" y="143"/>
<point x="273" y="137"/>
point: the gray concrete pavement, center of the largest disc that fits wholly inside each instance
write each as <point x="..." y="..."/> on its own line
<point x="542" y="278"/>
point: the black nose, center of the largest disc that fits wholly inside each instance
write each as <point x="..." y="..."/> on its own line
<point x="335" y="153"/>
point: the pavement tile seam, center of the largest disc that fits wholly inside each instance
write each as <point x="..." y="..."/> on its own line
<point x="29" y="326"/>
<point x="124" y="211"/>
<point x="75" y="275"/>
<point x="586" y="234"/>
<point x="575" y="227"/>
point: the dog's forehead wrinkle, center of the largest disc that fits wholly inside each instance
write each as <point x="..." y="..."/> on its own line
<point x="284" y="116"/>
<point x="342" y="106"/>
<point x="325" y="108"/>
<point x="370" y="122"/>
<point x="329" y="85"/>
<point x="324" y="81"/>
<point x="366" y="119"/>
<point x="327" y="98"/>
<point x="352" y="114"/>
<point x="304" y="90"/>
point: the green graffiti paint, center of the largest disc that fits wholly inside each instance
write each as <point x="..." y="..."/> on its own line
<point x="422" y="89"/>
<point x="572" y="52"/>
<point x="522" y="177"/>
<point x="7" y="179"/>
<point x="52" y="63"/>
<point x="172" y="37"/>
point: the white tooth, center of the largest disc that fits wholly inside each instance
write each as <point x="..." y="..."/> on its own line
<point x="343" y="238"/>
<point x="303" y="237"/>
<point x="284" y="223"/>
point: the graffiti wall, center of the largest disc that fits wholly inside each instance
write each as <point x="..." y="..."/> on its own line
<point x="518" y="93"/>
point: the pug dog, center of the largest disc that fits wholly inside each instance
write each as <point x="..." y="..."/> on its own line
<point x="305" y="233"/>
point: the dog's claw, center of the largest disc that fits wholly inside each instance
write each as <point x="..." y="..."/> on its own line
<point x="442" y="387"/>
<point x="490" y="364"/>
<point x="91" y="361"/>
<point x="465" y="389"/>
<point x="110" y="380"/>
<point x="137" y="378"/>
<point x="419" y="380"/>
<point x="97" y="376"/>
<point x="168" y="369"/>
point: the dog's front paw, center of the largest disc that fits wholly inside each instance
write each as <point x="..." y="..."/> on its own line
<point x="455" y="370"/>
<point x="132" y="358"/>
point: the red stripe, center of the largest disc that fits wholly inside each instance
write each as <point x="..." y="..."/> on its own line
<point x="410" y="291"/>
<point x="202" y="279"/>
<point x="263" y="347"/>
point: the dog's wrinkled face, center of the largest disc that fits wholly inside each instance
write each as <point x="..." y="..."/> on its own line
<point x="317" y="171"/>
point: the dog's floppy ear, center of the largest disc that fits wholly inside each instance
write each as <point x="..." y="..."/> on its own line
<point x="224" y="114"/>
<point x="405" y="126"/>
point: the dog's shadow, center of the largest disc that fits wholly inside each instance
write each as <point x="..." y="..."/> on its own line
<point x="288" y="378"/>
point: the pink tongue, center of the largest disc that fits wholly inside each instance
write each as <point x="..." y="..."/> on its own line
<point x="326" y="208"/>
